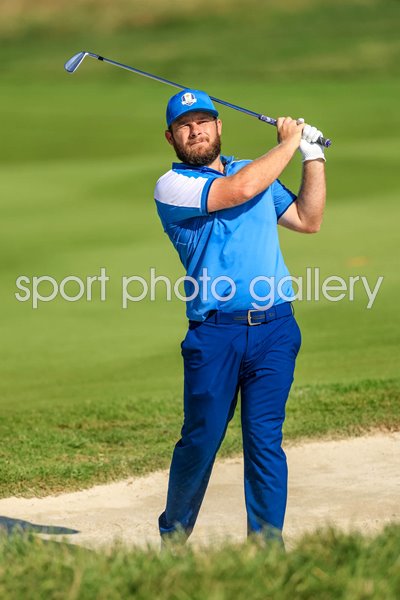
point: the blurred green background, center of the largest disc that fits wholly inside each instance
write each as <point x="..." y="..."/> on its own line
<point x="81" y="153"/>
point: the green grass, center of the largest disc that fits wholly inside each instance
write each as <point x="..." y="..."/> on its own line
<point x="109" y="436"/>
<point x="327" y="564"/>
<point x="230" y="39"/>
<point x="90" y="392"/>
<point x="86" y="387"/>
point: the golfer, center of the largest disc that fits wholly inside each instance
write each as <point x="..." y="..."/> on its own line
<point x="221" y="215"/>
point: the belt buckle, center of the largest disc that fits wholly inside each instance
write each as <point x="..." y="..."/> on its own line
<point x="249" y="321"/>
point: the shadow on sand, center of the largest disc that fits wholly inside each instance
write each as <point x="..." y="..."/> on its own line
<point x="11" y="526"/>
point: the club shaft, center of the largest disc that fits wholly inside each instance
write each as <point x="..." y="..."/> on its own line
<point x="269" y="120"/>
<point x="323" y="141"/>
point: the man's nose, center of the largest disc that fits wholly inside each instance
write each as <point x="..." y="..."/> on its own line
<point x="195" y="130"/>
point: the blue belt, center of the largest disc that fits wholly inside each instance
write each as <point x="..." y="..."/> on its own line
<point x="251" y="317"/>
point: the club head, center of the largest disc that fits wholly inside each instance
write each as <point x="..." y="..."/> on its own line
<point x="74" y="62"/>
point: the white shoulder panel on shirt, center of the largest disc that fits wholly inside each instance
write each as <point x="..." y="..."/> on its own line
<point x="179" y="190"/>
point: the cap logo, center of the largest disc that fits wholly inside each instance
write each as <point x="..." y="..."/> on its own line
<point x="188" y="99"/>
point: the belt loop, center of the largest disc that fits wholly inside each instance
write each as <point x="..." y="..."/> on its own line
<point x="216" y="316"/>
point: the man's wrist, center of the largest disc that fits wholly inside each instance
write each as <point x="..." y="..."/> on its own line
<point x="289" y="145"/>
<point x="308" y="161"/>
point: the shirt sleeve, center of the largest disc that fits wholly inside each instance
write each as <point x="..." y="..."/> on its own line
<point x="283" y="198"/>
<point x="179" y="197"/>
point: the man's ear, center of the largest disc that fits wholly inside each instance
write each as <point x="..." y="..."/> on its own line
<point x="219" y="126"/>
<point x="169" y="137"/>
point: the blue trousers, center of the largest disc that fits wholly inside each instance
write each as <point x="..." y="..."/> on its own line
<point x="219" y="360"/>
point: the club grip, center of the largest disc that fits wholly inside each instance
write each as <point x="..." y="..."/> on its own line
<point x="326" y="142"/>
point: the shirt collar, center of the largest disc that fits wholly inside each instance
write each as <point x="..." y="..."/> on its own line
<point x="226" y="161"/>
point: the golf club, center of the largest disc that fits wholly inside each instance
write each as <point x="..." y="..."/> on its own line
<point x="75" y="61"/>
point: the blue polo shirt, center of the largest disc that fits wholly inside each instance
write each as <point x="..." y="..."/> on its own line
<point x="232" y="256"/>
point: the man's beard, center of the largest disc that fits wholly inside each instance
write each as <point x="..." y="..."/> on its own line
<point x="191" y="156"/>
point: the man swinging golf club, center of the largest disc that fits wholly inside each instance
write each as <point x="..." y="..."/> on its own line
<point x="221" y="215"/>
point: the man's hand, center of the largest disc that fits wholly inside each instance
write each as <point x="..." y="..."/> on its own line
<point x="308" y="148"/>
<point x="289" y="131"/>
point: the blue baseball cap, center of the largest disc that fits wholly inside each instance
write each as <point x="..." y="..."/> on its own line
<point x="188" y="100"/>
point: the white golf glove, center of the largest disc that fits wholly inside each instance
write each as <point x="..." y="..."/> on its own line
<point x="308" y="148"/>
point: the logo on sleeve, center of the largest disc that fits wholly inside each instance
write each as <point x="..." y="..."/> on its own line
<point x="188" y="99"/>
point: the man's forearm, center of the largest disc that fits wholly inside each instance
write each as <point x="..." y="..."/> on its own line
<point x="255" y="177"/>
<point x="311" y="198"/>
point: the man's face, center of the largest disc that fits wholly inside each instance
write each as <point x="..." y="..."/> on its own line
<point x="196" y="138"/>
